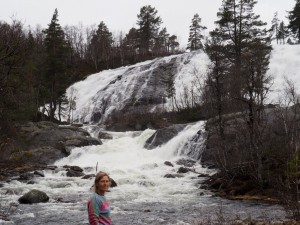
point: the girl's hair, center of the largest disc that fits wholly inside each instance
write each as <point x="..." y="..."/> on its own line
<point x="98" y="177"/>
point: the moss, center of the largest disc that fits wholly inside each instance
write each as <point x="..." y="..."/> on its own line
<point x="22" y="155"/>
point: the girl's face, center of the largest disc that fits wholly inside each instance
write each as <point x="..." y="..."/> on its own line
<point x="103" y="185"/>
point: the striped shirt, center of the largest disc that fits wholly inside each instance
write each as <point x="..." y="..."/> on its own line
<point x="98" y="210"/>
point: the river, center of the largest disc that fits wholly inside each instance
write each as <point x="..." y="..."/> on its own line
<point x="143" y="194"/>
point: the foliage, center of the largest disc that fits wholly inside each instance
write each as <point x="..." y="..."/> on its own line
<point x="101" y="46"/>
<point x="294" y="20"/>
<point x="196" y="34"/>
<point x="56" y="78"/>
<point x="149" y="24"/>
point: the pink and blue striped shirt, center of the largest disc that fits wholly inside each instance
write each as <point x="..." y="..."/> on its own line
<point x="98" y="210"/>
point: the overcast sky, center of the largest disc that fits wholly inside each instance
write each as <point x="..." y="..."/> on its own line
<point x="121" y="15"/>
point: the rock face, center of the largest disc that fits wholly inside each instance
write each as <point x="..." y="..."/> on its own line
<point x="163" y="135"/>
<point x="44" y="143"/>
<point x="34" y="196"/>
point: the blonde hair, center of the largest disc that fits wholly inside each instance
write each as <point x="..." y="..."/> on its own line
<point x="98" y="177"/>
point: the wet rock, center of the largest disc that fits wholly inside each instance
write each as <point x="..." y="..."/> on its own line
<point x="31" y="182"/>
<point x="163" y="135"/>
<point x="183" y="170"/>
<point x="202" y="175"/>
<point x="88" y="176"/>
<point x="113" y="183"/>
<point x="186" y="162"/>
<point x="39" y="173"/>
<point x="76" y="168"/>
<point x="51" y="167"/>
<point x="26" y="177"/>
<point x="73" y="173"/>
<point x="34" y="196"/>
<point x="79" y="142"/>
<point x="173" y="175"/>
<point x="167" y="163"/>
<point x="43" y="142"/>
<point x="63" y="200"/>
<point x="104" y="135"/>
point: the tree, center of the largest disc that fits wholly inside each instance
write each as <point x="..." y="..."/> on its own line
<point x="56" y="78"/>
<point x="275" y="26"/>
<point x="240" y="50"/>
<point x="130" y="46"/>
<point x="282" y="33"/>
<point x="294" y="19"/>
<point x="161" y="42"/>
<point x="15" y="88"/>
<point x="101" y="47"/>
<point x="196" y="34"/>
<point x="238" y="27"/>
<point x="173" y="44"/>
<point x="149" y="24"/>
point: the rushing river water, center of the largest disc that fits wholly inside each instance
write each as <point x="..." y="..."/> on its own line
<point x="143" y="195"/>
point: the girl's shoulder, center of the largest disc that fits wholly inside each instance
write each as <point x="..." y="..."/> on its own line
<point x="95" y="196"/>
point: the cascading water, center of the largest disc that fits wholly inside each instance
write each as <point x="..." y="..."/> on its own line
<point x="143" y="194"/>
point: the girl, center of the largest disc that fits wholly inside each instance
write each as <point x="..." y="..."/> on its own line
<point x="98" y="207"/>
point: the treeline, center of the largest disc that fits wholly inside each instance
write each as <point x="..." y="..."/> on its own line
<point x="248" y="141"/>
<point x="37" y="65"/>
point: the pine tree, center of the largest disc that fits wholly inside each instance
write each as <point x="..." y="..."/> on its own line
<point x="56" y="79"/>
<point x="173" y="43"/>
<point x="282" y="33"/>
<point x="196" y="34"/>
<point x="161" y="42"/>
<point x="294" y="19"/>
<point x="275" y="26"/>
<point x="101" y="47"/>
<point x="245" y="50"/>
<point x="130" y="46"/>
<point x="149" y="24"/>
<point x="238" y="27"/>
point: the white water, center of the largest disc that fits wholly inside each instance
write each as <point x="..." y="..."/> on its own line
<point x="143" y="195"/>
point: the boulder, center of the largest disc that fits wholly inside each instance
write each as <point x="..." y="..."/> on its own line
<point x="26" y="177"/>
<point x="186" y="162"/>
<point x="104" y="135"/>
<point x="39" y="173"/>
<point x="113" y="183"/>
<point x="34" y="196"/>
<point x="167" y="163"/>
<point x="73" y="173"/>
<point x="163" y="135"/>
<point x="173" y="175"/>
<point x="88" y="176"/>
<point x="183" y="170"/>
<point x="43" y="142"/>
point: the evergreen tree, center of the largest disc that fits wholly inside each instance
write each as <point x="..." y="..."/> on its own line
<point x="130" y="46"/>
<point x="56" y="79"/>
<point x="241" y="50"/>
<point x="161" y="42"/>
<point x="275" y="26"/>
<point x="196" y="34"/>
<point x="294" y="19"/>
<point x="282" y="33"/>
<point x="238" y="27"/>
<point x="173" y="44"/>
<point x="101" y="47"/>
<point x="148" y="23"/>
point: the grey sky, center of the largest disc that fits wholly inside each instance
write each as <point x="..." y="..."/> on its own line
<point x="121" y="15"/>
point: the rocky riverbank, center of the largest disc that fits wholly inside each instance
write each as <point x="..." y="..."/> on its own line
<point x="36" y="145"/>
